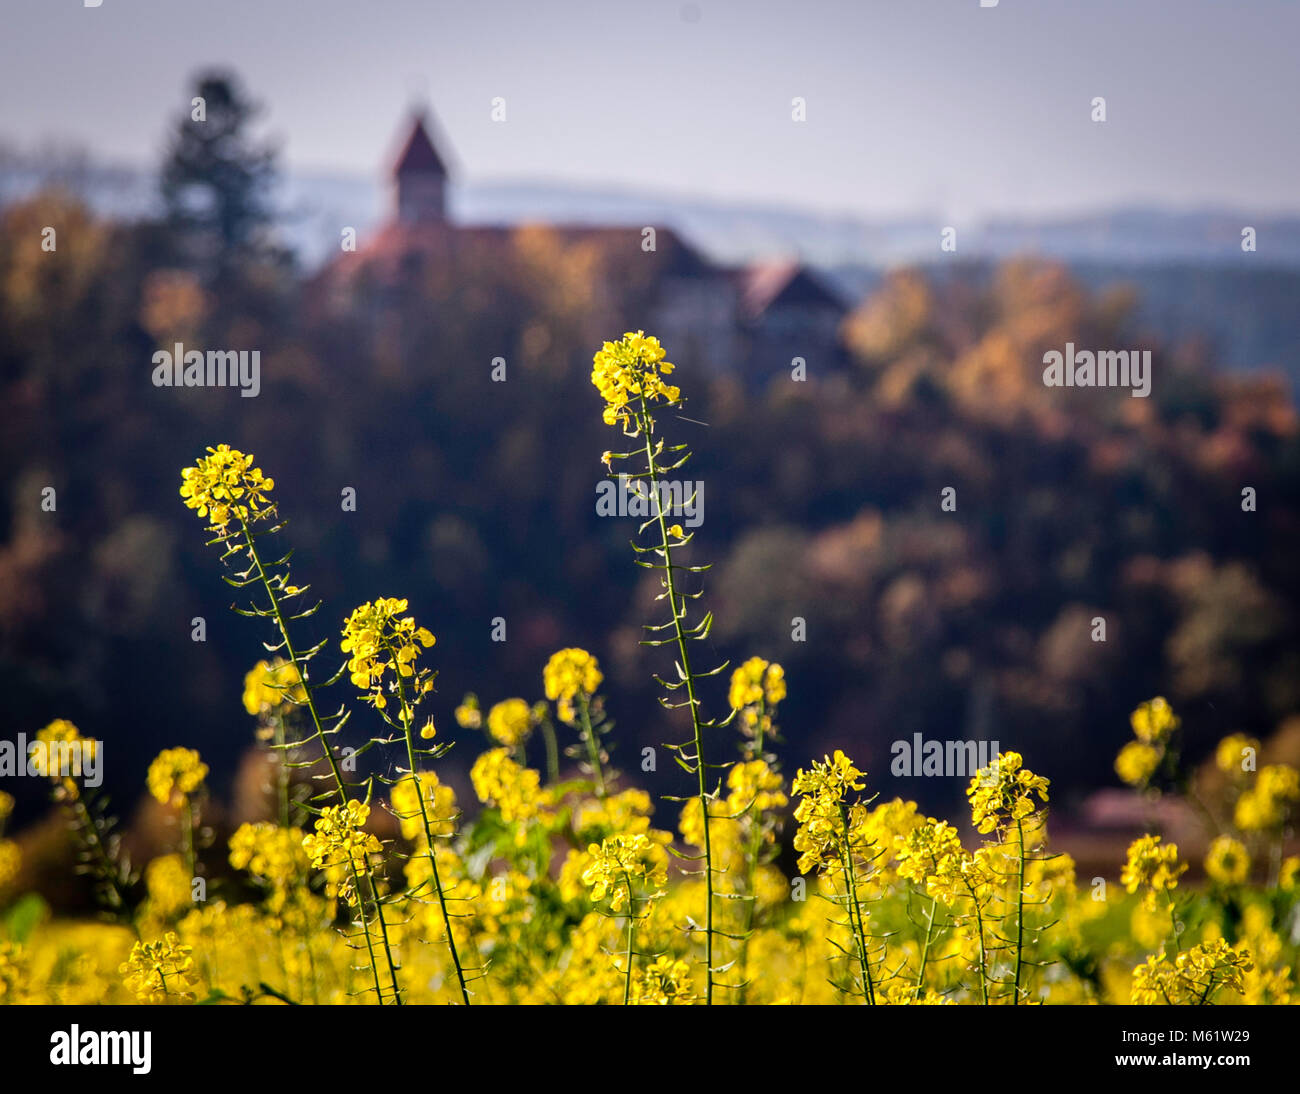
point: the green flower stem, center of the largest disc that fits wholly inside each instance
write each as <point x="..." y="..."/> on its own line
<point x="319" y="736"/>
<point x="187" y="835"/>
<point x="1020" y="909"/>
<point x="854" y="909"/>
<point x="370" y="944"/>
<point x="281" y="769"/>
<point x="1175" y="925"/>
<point x="406" y="712"/>
<point x="593" y="748"/>
<point x="979" y="926"/>
<point x="644" y="422"/>
<point x="299" y="665"/>
<point x="552" y="752"/>
<point x="108" y="869"/>
<point x="752" y="849"/>
<point x="1209" y="987"/>
<point x="925" y="949"/>
<point x="631" y="933"/>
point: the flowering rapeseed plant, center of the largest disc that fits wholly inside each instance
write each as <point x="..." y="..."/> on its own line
<point x="562" y="889"/>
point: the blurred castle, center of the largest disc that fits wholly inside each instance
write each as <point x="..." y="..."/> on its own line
<point x="753" y="320"/>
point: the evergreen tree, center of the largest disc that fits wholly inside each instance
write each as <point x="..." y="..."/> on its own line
<point x="216" y="181"/>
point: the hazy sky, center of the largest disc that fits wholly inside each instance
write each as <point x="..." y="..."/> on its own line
<point x="913" y="105"/>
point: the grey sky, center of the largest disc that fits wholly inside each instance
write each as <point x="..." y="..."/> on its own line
<point x="934" y="105"/>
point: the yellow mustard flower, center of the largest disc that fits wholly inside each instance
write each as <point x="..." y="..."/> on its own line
<point x="1137" y="762"/>
<point x="627" y="370"/>
<point x="273" y="854"/>
<point x="754" y="787"/>
<point x="439" y="805"/>
<point x="570" y="674"/>
<point x="757" y="686"/>
<point x="468" y="714"/>
<point x="510" y="722"/>
<point x="1232" y="753"/>
<point x="666" y="981"/>
<point x="616" y="862"/>
<point x="340" y="840"/>
<point x="1003" y="792"/>
<point x="1194" y="977"/>
<point x="1154" y="721"/>
<point x="1269" y="801"/>
<point x="226" y="486"/>
<point x="60" y="752"/>
<point x="380" y="638"/>
<point x="822" y="812"/>
<point x="175" y="775"/>
<point x="168" y="882"/>
<point x="1227" y="861"/>
<point x="155" y="971"/>
<point x="516" y="791"/>
<point x="270" y="686"/>
<point x="1153" y="867"/>
<point x="922" y="852"/>
<point x="15" y="976"/>
<point x="757" y="681"/>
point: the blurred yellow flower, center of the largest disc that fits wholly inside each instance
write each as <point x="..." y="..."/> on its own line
<point x="1268" y="803"/>
<point x="468" y="714"/>
<point x="510" y="722"/>
<point x="175" y="775"/>
<point x="1227" y="861"/>
<point x="1137" y="762"/>
<point x="1154" y="721"/>
<point x="1236" y="754"/>
<point x="570" y="674"/>
<point x="272" y="685"/>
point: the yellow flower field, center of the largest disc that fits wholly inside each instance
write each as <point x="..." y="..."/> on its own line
<point x="573" y="885"/>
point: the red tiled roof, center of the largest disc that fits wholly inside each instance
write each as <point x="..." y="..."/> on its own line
<point x="386" y="253"/>
<point x="762" y="284"/>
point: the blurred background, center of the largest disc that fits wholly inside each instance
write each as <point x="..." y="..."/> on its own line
<point x="498" y="170"/>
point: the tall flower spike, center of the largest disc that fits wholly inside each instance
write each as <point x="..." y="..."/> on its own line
<point x="226" y="487"/>
<point x="382" y="640"/>
<point x="629" y="376"/>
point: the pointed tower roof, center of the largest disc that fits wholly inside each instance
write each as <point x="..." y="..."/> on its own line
<point x="418" y="154"/>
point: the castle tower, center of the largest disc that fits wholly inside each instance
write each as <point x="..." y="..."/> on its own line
<point x="420" y="179"/>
